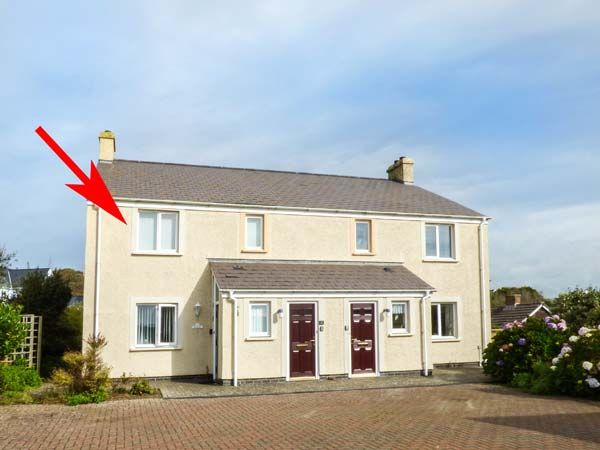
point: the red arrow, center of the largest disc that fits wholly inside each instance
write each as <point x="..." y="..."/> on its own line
<point x="93" y="188"/>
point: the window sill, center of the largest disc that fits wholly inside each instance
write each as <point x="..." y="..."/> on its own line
<point x="154" y="349"/>
<point x="442" y="260"/>
<point x="253" y="250"/>
<point x="355" y="253"/>
<point x="139" y="253"/>
<point x="400" y="334"/>
<point x="443" y="339"/>
<point x="260" y="338"/>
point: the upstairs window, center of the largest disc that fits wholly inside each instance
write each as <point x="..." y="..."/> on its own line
<point x="439" y="241"/>
<point x="254" y="232"/>
<point x="362" y="236"/>
<point x="158" y="231"/>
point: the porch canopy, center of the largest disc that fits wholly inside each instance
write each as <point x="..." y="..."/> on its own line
<point x="277" y="275"/>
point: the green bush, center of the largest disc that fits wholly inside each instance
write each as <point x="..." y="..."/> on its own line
<point x="579" y="307"/>
<point x="12" y="331"/>
<point x="575" y="370"/>
<point x="17" y="377"/>
<point x="520" y="345"/>
<point x="141" y="387"/>
<point x="85" y="373"/>
<point x="86" y="397"/>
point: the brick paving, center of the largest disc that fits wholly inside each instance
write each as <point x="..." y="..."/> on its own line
<point x="461" y="416"/>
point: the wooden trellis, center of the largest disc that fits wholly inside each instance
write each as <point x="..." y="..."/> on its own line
<point x="31" y="349"/>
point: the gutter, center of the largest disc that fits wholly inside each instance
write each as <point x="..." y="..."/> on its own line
<point x="97" y="274"/>
<point x="232" y="298"/>
<point x="482" y="284"/>
<point x="424" y="334"/>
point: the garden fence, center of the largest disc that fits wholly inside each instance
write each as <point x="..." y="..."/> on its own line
<point x="30" y="351"/>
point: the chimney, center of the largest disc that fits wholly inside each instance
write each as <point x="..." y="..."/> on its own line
<point x="402" y="170"/>
<point x="107" y="146"/>
<point x="513" y="299"/>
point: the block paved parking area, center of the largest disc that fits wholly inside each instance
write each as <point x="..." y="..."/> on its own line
<point x="460" y="416"/>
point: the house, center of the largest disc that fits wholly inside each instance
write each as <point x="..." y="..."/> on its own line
<point x="246" y="275"/>
<point x="13" y="280"/>
<point x="514" y="309"/>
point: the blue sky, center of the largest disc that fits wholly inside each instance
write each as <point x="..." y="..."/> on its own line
<point x="498" y="103"/>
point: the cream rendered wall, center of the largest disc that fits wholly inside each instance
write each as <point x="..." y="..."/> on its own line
<point x="216" y="234"/>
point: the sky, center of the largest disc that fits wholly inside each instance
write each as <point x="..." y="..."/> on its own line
<point x="497" y="102"/>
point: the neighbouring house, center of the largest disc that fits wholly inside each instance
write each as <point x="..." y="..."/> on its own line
<point x="514" y="309"/>
<point x="13" y="280"/>
<point x="246" y="275"/>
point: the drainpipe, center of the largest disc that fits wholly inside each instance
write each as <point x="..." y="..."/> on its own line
<point x="97" y="275"/>
<point x="233" y="299"/>
<point x="482" y="284"/>
<point x="424" y="334"/>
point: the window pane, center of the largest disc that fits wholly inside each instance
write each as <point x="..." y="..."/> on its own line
<point x="146" y="329"/>
<point x="445" y="241"/>
<point x="167" y="324"/>
<point x="448" y="328"/>
<point x="399" y="315"/>
<point x="168" y="231"/>
<point x="259" y="320"/>
<point x="147" y="231"/>
<point x="362" y="236"/>
<point x="254" y="232"/>
<point x="430" y="240"/>
<point x="434" y="320"/>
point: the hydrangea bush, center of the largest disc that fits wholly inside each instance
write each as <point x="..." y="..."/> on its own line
<point x="575" y="369"/>
<point x="520" y="345"/>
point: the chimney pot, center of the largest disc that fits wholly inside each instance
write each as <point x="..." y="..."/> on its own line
<point x="402" y="170"/>
<point x="107" y="146"/>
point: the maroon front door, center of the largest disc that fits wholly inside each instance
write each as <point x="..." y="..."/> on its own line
<point x="363" y="337"/>
<point x="302" y="340"/>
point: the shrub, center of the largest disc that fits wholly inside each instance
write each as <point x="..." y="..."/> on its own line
<point x="17" y="377"/>
<point x="85" y="373"/>
<point x="575" y="370"/>
<point x="141" y="387"/>
<point x="579" y="307"/>
<point x="520" y="345"/>
<point x="12" y="331"/>
<point x="86" y="397"/>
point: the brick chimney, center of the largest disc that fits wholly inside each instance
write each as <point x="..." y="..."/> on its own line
<point x="402" y="170"/>
<point x="513" y="299"/>
<point x="107" y="146"/>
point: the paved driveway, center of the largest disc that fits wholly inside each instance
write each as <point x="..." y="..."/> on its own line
<point x="457" y="416"/>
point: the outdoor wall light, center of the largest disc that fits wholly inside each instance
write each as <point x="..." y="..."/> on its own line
<point x="386" y="311"/>
<point x="279" y="312"/>
<point x="197" y="309"/>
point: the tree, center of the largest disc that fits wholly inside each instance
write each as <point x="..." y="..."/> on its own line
<point x="74" y="279"/>
<point x="5" y="259"/>
<point x="528" y="295"/>
<point x="12" y="331"/>
<point x="47" y="296"/>
<point x="579" y="307"/>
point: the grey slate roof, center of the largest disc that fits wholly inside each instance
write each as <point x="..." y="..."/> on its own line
<point x="205" y="184"/>
<point x="16" y="276"/>
<point x="505" y="314"/>
<point x="314" y="276"/>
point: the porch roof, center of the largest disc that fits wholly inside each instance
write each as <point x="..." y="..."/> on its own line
<point x="314" y="276"/>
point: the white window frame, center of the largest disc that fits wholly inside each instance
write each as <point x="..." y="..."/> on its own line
<point x="400" y="331"/>
<point x="158" y="249"/>
<point x="261" y="335"/>
<point x="262" y="228"/>
<point x="437" y="256"/>
<point x="158" y="344"/>
<point x="369" y="249"/>
<point x="438" y="337"/>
